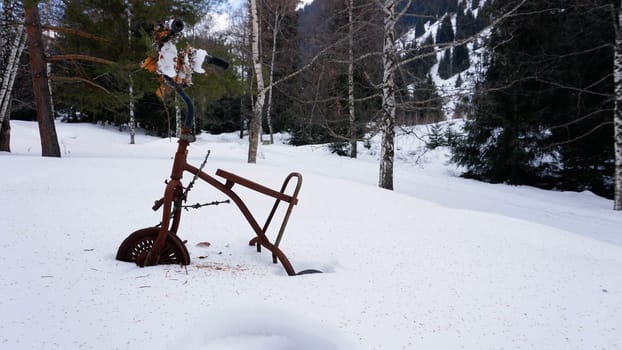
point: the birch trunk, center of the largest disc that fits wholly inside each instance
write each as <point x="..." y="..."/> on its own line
<point x="352" y="119"/>
<point x="40" y="87"/>
<point x="11" y="71"/>
<point x="12" y="41"/>
<point x="617" y="115"/>
<point x="132" y="122"/>
<point x="48" y="65"/>
<point x="275" y="30"/>
<point x="177" y="118"/>
<point x="389" y="61"/>
<point x="5" y="104"/>
<point x="255" y="123"/>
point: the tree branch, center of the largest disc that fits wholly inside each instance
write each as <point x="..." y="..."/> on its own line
<point x="56" y="77"/>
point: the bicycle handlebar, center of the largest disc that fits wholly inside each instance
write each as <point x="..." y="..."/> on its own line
<point x="219" y="62"/>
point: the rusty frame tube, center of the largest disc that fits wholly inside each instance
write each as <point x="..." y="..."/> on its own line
<point x="290" y="207"/>
<point x="226" y="188"/>
<point x="174" y="188"/>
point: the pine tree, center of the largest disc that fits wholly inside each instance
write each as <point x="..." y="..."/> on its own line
<point x="459" y="81"/>
<point x="100" y="89"/>
<point x="445" y="66"/>
<point x="460" y="60"/>
<point x="530" y="126"/>
<point x="445" y="33"/>
<point x="427" y="103"/>
<point x="419" y="28"/>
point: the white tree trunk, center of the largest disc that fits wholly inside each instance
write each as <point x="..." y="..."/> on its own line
<point x="389" y="61"/>
<point x="11" y="71"/>
<point x="177" y="118"/>
<point x="48" y="65"/>
<point x="617" y="115"/>
<point x="275" y="30"/>
<point x="132" y="122"/>
<point x="254" y="127"/>
<point x="352" y="116"/>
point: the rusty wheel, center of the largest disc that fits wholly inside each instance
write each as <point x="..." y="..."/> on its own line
<point x="137" y="245"/>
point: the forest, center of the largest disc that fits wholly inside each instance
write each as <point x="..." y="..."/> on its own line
<point x="523" y="92"/>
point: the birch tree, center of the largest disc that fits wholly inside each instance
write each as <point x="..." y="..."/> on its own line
<point x="351" y="112"/>
<point x="132" y="121"/>
<point x="12" y="42"/>
<point x="617" y="115"/>
<point x="255" y="123"/>
<point x="277" y="17"/>
<point x="387" y="121"/>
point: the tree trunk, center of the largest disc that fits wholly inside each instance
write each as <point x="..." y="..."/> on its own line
<point x="132" y="122"/>
<point x="178" y="121"/>
<point x="352" y="118"/>
<point x="48" y="65"/>
<point x="388" y="97"/>
<point x="275" y="30"/>
<point x="10" y="72"/>
<point x="40" y="86"/>
<point x="617" y="115"/>
<point x="5" y="104"/>
<point x="255" y="123"/>
<point x="5" y="135"/>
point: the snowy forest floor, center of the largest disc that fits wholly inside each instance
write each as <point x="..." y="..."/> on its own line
<point x="442" y="262"/>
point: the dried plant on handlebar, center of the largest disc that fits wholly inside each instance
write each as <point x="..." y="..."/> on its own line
<point x="178" y="65"/>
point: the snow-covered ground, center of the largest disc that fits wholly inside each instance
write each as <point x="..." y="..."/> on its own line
<point x="440" y="263"/>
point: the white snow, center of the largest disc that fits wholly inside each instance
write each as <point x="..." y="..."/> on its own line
<point x="440" y="263"/>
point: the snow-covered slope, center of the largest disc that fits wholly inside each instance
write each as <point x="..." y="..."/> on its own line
<point x="440" y="263"/>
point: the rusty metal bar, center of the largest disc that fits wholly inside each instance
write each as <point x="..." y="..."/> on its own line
<point x="226" y="189"/>
<point x="255" y="186"/>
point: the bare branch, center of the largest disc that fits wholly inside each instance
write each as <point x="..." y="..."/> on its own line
<point x="76" y="57"/>
<point x="56" y="77"/>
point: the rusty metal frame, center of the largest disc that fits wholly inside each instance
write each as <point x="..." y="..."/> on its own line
<point x="174" y="195"/>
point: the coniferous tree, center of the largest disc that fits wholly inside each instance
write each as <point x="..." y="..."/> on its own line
<point x="419" y="28"/>
<point x="542" y="115"/>
<point x="460" y="60"/>
<point x="99" y="86"/>
<point x="445" y="33"/>
<point x="445" y="66"/>
<point x="427" y="103"/>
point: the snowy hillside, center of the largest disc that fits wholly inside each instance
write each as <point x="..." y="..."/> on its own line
<point x="451" y="92"/>
<point x="440" y="263"/>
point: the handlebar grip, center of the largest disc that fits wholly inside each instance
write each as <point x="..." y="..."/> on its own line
<point x="217" y="62"/>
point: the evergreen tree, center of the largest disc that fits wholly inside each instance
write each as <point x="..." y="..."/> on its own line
<point x="465" y="24"/>
<point x="435" y="137"/>
<point x="445" y="66"/>
<point x="445" y="33"/>
<point x="419" y="68"/>
<point x="427" y="104"/>
<point x="460" y="60"/>
<point x="419" y="28"/>
<point x="459" y="81"/>
<point x="531" y="126"/>
<point x="99" y="87"/>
